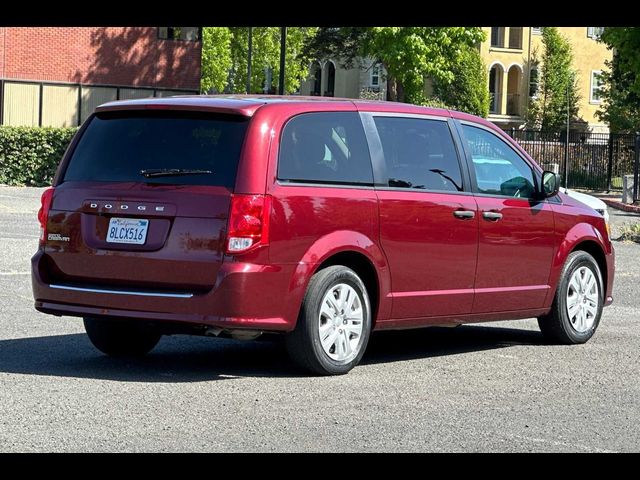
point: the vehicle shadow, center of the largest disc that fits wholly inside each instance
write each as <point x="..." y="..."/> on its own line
<point x="175" y="359"/>
<point x="400" y="345"/>
<point x="193" y="359"/>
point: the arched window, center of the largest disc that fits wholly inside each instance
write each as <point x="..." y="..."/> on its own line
<point x="514" y="78"/>
<point x="495" y="82"/>
<point x="330" y="70"/>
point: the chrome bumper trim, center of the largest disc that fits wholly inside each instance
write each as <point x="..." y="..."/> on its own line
<point x="123" y="292"/>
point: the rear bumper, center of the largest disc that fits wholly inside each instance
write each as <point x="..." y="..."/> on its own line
<point x="245" y="296"/>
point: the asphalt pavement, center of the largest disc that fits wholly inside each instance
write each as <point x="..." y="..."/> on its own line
<point x="489" y="387"/>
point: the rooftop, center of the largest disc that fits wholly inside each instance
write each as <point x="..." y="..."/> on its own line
<point x="248" y="104"/>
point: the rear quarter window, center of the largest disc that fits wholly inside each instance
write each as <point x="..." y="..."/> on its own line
<point x="117" y="146"/>
<point x="325" y="147"/>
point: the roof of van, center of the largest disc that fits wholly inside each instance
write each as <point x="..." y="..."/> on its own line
<point x="247" y="105"/>
<point x="243" y="104"/>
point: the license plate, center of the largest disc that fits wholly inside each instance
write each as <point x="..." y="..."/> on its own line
<point x="127" y="230"/>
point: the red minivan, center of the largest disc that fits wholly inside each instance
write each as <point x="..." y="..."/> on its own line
<point x="321" y="219"/>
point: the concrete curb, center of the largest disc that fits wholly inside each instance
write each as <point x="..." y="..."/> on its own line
<point x="622" y="206"/>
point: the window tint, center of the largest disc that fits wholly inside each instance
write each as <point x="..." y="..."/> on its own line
<point x="116" y="146"/>
<point x="325" y="147"/>
<point x="419" y="154"/>
<point x="499" y="169"/>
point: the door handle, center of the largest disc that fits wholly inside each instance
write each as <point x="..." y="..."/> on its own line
<point x="464" y="214"/>
<point x="492" y="216"/>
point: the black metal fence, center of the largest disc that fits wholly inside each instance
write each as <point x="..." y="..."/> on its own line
<point x="596" y="161"/>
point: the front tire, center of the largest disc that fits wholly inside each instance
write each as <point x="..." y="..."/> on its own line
<point x="577" y="306"/>
<point x="121" y="338"/>
<point x="334" y="323"/>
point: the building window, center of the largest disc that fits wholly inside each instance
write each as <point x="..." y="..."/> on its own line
<point x="374" y="76"/>
<point x="536" y="30"/>
<point x="533" y="81"/>
<point x="189" y="34"/>
<point x="317" y="79"/>
<point x="515" y="38"/>
<point x="495" y="82"/>
<point x="497" y="37"/>
<point x="594" y="32"/>
<point x="596" y="85"/>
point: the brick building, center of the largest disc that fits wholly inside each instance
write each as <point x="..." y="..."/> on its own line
<point x="56" y="76"/>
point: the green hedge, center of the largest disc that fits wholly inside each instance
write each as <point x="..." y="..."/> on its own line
<point x="30" y="155"/>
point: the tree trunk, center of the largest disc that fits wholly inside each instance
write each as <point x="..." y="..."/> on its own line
<point x="392" y="93"/>
<point x="399" y="91"/>
<point x="395" y="89"/>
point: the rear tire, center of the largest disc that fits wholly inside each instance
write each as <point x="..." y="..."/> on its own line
<point x="121" y="338"/>
<point x="577" y="306"/>
<point x="334" y="323"/>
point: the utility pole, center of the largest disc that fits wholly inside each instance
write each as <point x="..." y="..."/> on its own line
<point x="283" y="50"/>
<point x="249" y="61"/>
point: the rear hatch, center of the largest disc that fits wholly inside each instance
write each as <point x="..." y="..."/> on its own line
<point x="143" y="201"/>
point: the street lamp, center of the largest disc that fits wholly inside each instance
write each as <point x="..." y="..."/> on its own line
<point x="566" y="145"/>
<point x="283" y="49"/>
<point x="249" y="61"/>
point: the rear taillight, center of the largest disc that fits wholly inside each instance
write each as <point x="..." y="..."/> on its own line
<point x="43" y="213"/>
<point x="248" y="223"/>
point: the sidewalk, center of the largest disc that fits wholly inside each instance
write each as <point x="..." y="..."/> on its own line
<point x="614" y="200"/>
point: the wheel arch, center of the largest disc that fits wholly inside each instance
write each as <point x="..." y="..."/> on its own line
<point x="353" y="250"/>
<point x="585" y="237"/>
<point x="597" y="252"/>
<point x="364" y="268"/>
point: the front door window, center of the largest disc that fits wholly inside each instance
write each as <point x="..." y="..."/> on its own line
<point x="499" y="169"/>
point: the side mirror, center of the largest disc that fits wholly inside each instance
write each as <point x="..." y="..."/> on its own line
<point x="550" y="184"/>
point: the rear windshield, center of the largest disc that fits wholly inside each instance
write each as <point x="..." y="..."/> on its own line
<point x="117" y="146"/>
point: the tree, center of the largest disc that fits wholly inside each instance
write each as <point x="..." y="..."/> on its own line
<point x="408" y="54"/>
<point x="216" y="58"/>
<point x="558" y="85"/>
<point x="224" y="58"/>
<point x="469" y="92"/>
<point x="620" y="92"/>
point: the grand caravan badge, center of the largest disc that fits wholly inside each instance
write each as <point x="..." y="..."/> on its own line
<point x="56" y="237"/>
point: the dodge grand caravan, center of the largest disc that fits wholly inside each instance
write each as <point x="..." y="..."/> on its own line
<point x="321" y="219"/>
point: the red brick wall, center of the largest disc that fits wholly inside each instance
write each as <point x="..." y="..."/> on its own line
<point x="2" y="33"/>
<point x="99" y="55"/>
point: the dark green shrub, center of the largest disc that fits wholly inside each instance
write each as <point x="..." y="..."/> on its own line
<point x="30" y="155"/>
<point x="435" y="102"/>
<point x="468" y="91"/>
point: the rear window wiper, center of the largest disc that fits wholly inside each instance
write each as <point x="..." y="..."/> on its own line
<point x="170" y="172"/>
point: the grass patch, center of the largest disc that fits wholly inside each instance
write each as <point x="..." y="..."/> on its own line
<point x="630" y="232"/>
<point x="616" y="182"/>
